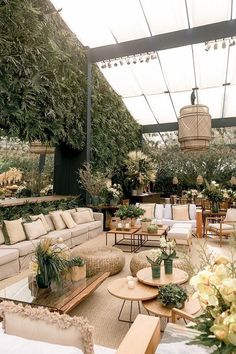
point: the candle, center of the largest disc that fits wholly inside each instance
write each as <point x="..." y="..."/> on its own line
<point x="129" y="277"/>
<point x="127" y="225"/>
<point x="131" y="284"/>
<point x="119" y="225"/>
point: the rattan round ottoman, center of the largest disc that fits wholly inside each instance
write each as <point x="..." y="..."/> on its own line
<point x="101" y="259"/>
<point x="139" y="261"/>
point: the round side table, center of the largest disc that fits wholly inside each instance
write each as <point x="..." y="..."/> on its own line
<point x="140" y="292"/>
<point x="177" y="277"/>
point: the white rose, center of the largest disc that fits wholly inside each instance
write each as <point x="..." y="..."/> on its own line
<point x="228" y="289"/>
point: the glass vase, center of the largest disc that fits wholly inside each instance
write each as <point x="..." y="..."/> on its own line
<point x="156" y="271"/>
<point x="168" y="265"/>
<point x="215" y="207"/>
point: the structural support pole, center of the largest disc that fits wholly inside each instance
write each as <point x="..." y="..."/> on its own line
<point x="89" y="107"/>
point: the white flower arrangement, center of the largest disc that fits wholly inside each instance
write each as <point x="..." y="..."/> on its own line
<point x="155" y="256"/>
<point x="216" y="289"/>
<point x="115" y="191"/>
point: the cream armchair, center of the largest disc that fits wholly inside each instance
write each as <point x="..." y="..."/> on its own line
<point x="220" y="226"/>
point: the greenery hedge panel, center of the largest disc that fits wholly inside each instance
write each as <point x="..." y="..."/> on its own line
<point x="43" y="85"/>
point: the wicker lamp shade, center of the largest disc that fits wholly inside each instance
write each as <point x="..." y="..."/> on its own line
<point x="36" y="147"/>
<point x="233" y="180"/>
<point x="194" y="128"/>
<point x="175" y="180"/>
<point x="199" y="180"/>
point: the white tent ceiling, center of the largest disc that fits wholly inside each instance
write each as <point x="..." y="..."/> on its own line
<point x="154" y="91"/>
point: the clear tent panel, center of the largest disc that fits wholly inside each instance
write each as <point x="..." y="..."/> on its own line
<point x="213" y="98"/>
<point x="140" y="110"/>
<point x="230" y="101"/>
<point x="231" y="78"/>
<point x="162" y="108"/>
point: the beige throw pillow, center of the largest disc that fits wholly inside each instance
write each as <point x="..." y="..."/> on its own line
<point x="49" y="221"/>
<point x="149" y="210"/>
<point x="44" y="221"/>
<point x="180" y="212"/>
<point x="34" y="229"/>
<point x="82" y="217"/>
<point x="230" y="215"/>
<point x="57" y="220"/>
<point x="2" y="240"/>
<point x="86" y="209"/>
<point x="67" y="218"/>
<point x="13" y="231"/>
<point x="42" y="325"/>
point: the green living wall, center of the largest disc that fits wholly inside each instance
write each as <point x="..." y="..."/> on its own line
<point x="43" y="86"/>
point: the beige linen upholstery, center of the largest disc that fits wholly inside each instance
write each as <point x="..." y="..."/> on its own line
<point x="2" y="240"/>
<point x="67" y="218"/>
<point x="49" y="221"/>
<point x="42" y="325"/>
<point x="57" y="220"/>
<point x="13" y="231"/>
<point x="34" y="229"/>
<point x="180" y="212"/>
<point x="86" y="209"/>
<point x="149" y="210"/>
<point x="82" y="217"/>
<point x="9" y="263"/>
<point x="44" y="221"/>
<point x="230" y="215"/>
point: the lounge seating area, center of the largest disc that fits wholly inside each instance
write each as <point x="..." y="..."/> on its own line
<point x="117" y="177"/>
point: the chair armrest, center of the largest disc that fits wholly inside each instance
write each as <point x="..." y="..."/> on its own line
<point x="215" y="218"/>
<point x="178" y="313"/>
<point x="143" y="336"/>
<point x="98" y="216"/>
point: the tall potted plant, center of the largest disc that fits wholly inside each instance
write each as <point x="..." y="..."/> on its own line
<point x="214" y="194"/>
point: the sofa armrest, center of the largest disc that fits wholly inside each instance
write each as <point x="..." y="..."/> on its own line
<point x="98" y="216"/>
<point x="143" y="336"/>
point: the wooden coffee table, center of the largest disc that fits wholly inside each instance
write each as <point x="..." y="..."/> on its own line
<point x="130" y="235"/>
<point x="177" y="277"/>
<point x="146" y="237"/>
<point x="62" y="299"/>
<point x="140" y="292"/>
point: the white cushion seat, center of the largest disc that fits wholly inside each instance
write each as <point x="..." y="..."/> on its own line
<point x="171" y="222"/>
<point x="179" y="233"/>
<point x="79" y="230"/>
<point x="54" y="235"/>
<point x="182" y="225"/>
<point x="225" y="227"/>
<point x="93" y="225"/>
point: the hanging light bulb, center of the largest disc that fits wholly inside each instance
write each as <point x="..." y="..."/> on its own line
<point x="207" y="46"/>
<point x="199" y="180"/>
<point x="215" y="45"/>
<point x="121" y="62"/>
<point x="134" y="61"/>
<point x="109" y="65"/>
<point x="103" y="66"/>
<point x="128" y="61"/>
<point x="223" y="44"/>
<point x="115" y="64"/>
<point x="175" y="180"/>
<point x="147" y="58"/>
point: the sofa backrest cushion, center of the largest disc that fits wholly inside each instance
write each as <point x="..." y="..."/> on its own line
<point x="68" y="220"/>
<point x="192" y="211"/>
<point x="57" y="220"/>
<point x="34" y="229"/>
<point x="167" y="211"/>
<point x="42" y="325"/>
<point x="82" y="217"/>
<point x="230" y="215"/>
<point x="180" y="212"/>
<point x="44" y="221"/>
<point x="149" y="210"/>
<point x="2" y="240"/>
<point x="159" y="211"/>
<point x="13" y="231"/>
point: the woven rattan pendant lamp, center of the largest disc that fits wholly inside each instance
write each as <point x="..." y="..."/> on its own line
<point x="194" y="127"/>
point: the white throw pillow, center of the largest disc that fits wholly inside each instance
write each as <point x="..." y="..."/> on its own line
<point x="34" y="229"/>
<point x="44" y="221"/>
<point x="180" y="212"/>
<point x="57" y="220"/>
<point x="13" y="231"/>
<point x="85" y="209"/>
<point x="68" y="220"/>
<point x="82" y="217"/>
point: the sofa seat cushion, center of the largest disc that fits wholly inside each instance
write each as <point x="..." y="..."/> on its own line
<point x="171" y="222"/>
<point x="79" y="230"/>
<point x="54" y="235"/>
<point x="8" y="255"/>
<point x="179" y="233"/>
<point x="24" y="247"/>
<point x="93" y="225"/>
<point x="181" y="225"/>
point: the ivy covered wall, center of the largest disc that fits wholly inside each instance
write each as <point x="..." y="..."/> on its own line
<point x="43" y="86"/>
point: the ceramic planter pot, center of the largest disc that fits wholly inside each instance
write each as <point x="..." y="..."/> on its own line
<point x="156" y="271"/>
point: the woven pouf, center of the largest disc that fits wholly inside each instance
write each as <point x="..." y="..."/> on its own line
<point x="101" y="259"/>
<point x="139" y="261"/>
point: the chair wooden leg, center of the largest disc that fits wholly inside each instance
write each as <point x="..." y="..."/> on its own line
<point x="220" y="239"/>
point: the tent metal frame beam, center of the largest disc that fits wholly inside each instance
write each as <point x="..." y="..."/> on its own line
<point x="168" y="127"/>
<point x="164" y="41"/>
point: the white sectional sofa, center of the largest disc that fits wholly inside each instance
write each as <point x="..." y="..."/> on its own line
<point x="164" y="213"/>
<point x="15" y="257"/>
